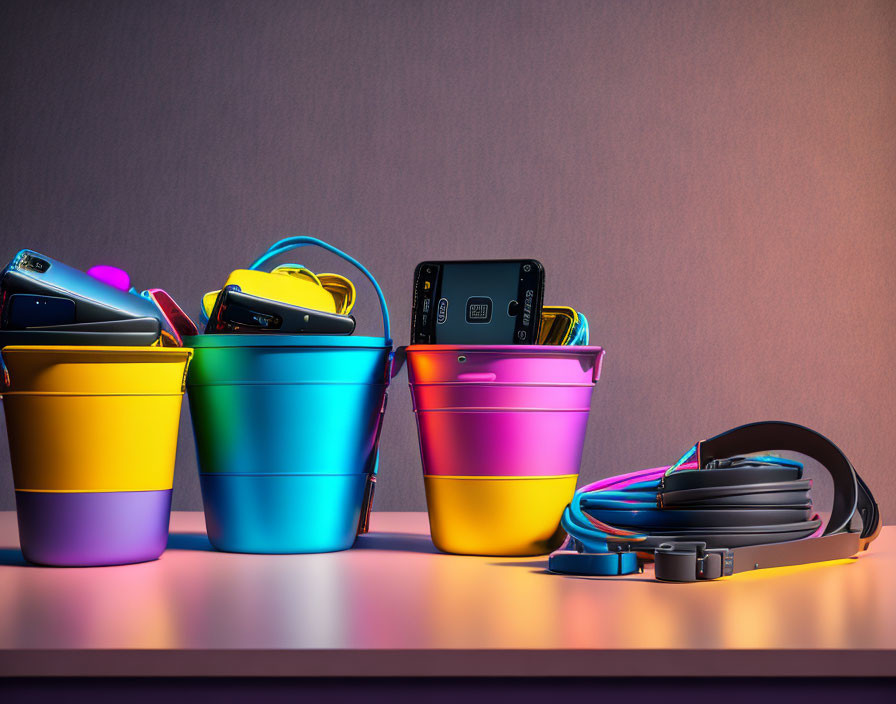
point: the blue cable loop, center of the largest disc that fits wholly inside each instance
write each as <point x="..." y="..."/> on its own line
<point x="610" y="524"/>
<point x="588" y="538"/>
<point x="599" y="502"/>
<point x="638" y="496"/>
<point x="684" y="458"/>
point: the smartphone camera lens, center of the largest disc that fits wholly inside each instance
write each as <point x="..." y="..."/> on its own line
<point x="36" y="264"/>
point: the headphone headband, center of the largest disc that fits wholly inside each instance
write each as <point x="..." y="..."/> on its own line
<point x="851" y="494"/>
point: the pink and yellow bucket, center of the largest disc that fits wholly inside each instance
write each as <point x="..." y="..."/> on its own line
<point x="92" y="438"/>
<point x="501" y="432"/>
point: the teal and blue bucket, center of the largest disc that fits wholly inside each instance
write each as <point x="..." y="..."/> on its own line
<point x="287" y="431"/>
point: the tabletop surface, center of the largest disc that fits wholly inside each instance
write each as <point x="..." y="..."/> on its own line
<point x="396" y="606"/>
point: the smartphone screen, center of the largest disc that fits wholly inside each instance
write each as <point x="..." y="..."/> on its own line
<point x="24" y="310"/>
<point x="478" y="302"/>
<point x="94" y="300"/>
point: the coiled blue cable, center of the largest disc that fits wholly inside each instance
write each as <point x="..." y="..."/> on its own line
<point x="636" y="503"/>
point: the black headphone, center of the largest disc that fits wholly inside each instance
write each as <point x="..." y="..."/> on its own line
<point x="727" y="512"/>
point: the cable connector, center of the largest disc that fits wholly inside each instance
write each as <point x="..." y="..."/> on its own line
<point x="690" y="562"/>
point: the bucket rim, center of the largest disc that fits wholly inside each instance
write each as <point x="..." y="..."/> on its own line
<point x="510" y="349"/>
<point x="183" y="352"/>
<point x="276" y="340"/>
<point x="500" y="477"/>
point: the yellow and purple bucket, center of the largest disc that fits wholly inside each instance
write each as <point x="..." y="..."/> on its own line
<point x="92" y="439"/>
<point x="501" y="431"/>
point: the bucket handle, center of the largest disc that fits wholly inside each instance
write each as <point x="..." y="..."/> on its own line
<point x="398" y="360"/>
<point x="290" y="243"/>
<point x="598" y="363"/>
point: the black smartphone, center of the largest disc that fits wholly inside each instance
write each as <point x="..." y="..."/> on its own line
<point x="486" y="302"/>
<point x="238" y="312"/>
<point x="131" y="332"/>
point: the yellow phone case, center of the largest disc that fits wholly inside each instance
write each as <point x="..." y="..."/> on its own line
<point x="294" y="285"/>
<point x="557" y="323"/>
<point x="342" y="290"/>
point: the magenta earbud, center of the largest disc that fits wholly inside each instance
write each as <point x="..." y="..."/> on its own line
<point x="112" y="275"/>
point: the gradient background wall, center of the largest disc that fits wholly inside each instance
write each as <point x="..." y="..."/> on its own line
<point x="713" y="183"/>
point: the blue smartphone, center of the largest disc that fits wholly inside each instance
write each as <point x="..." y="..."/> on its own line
<point x="34" y="274"/>
<point x="25" y="310"/>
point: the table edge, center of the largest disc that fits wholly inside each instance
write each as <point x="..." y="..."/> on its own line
<point x="447" y="663"/>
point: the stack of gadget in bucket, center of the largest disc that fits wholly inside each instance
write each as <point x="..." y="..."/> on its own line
<point x="502" y="389"/>
<point x="287" y="406"/>
<point x="93" y="377"/>
<point x="45" y="302"/>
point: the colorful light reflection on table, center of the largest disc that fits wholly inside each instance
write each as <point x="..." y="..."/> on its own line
<point x="395" y="591"/>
